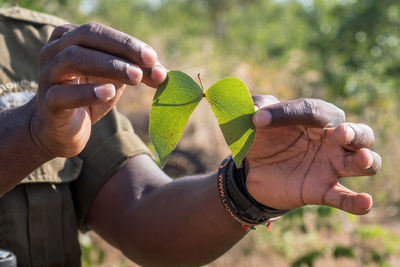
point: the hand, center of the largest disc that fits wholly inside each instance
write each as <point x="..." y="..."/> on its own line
<point x="301" y="149"/>
<point x="83" y="72"/>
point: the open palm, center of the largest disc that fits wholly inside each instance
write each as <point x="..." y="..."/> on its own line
<point x="291" y="166"/>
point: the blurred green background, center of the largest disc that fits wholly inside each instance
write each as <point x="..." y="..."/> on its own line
<point x="343" y="51"/>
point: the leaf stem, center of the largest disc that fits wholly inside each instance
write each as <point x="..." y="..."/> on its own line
<point x="201" y="84"/>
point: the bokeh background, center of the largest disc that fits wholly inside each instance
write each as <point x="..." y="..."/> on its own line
<point x="343" y="51"/>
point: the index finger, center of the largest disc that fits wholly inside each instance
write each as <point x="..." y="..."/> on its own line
<point x="308" y="112"/>
<point x="100" y="37"/>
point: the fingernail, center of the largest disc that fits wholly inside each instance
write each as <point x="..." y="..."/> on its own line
<point x="350" y="135"/>
<point x="372" y="202"/>
<point x="370" y="161"/>
<point x="262" y="118"/>
<point x="135" y="74"/>
<point x="364" y="202"/>
<point x="158" y="74"/>
<point x="105" y="92"/>
<point x="149" y="56"/>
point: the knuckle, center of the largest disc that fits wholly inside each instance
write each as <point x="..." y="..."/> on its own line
<point x="321" y="112"/>
<point x="60" y="30"/>
<point x="70" y="55"/>
<point x="90" y="28"/>
<point x="51" y="46"/>
<point x="338" y="115"/>
<point x="46" y="52"/>
<point x="132" y="43"/>
<point x="309" y="107"/>
<point x="118" y="66"/>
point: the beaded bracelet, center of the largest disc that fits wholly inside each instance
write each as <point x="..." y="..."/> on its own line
<point x="240" y="205"/>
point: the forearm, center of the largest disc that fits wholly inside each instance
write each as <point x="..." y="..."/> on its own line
<point x="159" y="222"/>
<point x="188" y="225"/>
<point x="19" y="155"/>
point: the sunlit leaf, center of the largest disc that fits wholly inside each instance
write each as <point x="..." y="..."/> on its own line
<point x="173" y="103"/>
<point x="231" y="103"/>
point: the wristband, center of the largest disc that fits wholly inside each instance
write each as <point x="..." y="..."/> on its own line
<point x="236" y="199"/>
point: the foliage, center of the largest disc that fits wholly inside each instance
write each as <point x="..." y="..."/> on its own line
<point x="343" y="251"/>
<point x="173" y="103"/>
<point x="179" y="95"/>
<point x="307" y="259"/>
<point x="231" y="103"/>
<point x="309" y="234"/>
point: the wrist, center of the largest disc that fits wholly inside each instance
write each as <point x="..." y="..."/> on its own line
<point x="34" y="141"/>
<point x="237" y="200"/>
<point x="265" y="190"/>
<point x="23" y="155"/>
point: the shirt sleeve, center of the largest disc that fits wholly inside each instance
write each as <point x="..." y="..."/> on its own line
<point x="111" y="143"/>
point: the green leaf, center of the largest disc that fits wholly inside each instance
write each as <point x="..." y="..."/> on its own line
<point x="173" y="103"/>
<point x="231" y="103"/>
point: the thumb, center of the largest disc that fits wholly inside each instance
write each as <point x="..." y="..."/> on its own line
<point x="308" y="112"/>
<point x="68" y="96"/>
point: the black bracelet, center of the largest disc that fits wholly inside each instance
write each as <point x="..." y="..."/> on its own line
<point x="237" y="200"/>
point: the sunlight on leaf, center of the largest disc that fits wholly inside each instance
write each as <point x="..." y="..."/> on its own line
<point x="173" y="103"/>
<point x="231" y="103"/>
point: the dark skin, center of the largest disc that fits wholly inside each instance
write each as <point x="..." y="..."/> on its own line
<point x="72" y="95"/>
<point x="301" y="150"/>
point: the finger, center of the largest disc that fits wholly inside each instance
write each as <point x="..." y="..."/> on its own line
<point x="363" y="162"/>
<point x="100" y="37"/>
<point x="61" y="30"/>
<point x="343" y="198"/>
<point x="354" y="136"/>
<point x="63" y="97"/>
<point x="307" y="112"/>
<point x="79" y="61"/>
<point x="154" y="76"/>
<point x="261" y="101"/>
